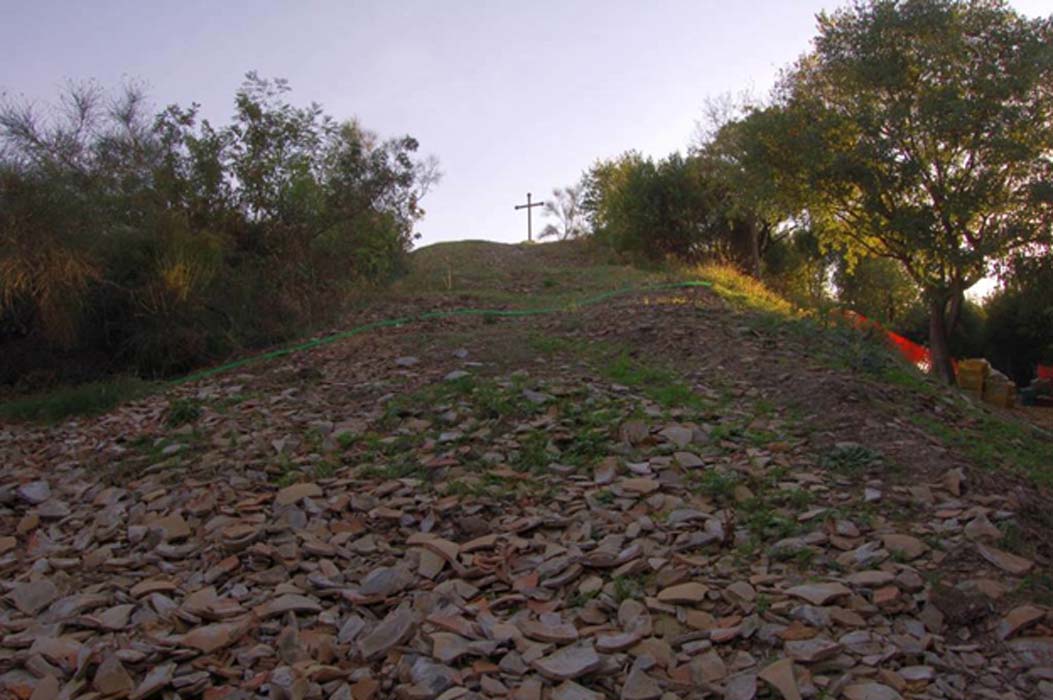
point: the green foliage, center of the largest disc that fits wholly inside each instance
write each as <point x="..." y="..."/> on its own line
<point x="877" y="288"/>
<point x="995" y="443"/>
<point x="81" y="400"/>
<point x="919" y="131"/>
<point x="1019" y="329"/>
<point x="850" y="458"/>
<point x="659" y="384"/>
<point x="672" y="207"/>
<point x="155" y="243"/>
<point x="182" y="411"/>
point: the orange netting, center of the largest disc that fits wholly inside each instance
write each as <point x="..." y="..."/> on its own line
<point x="915" y="354"/>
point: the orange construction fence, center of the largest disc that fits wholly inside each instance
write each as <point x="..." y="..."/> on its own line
<point x="914" y="353"/>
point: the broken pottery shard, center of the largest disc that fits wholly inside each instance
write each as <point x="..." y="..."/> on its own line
<point x="640" y="686"/>
<point x="1019" y="618"/>
<point x="293" y="494"/>
<point x="819" y="593"/>
<point x="392" y="631"/>
<point x="568" y="663"/>
<point x="779" y="675"/>
<point x="157" y="678"/>
<point x="684" y="593"/>
<point x="35" y="492"/>
<point x="904" y="546"/>
<point x="111" y="678"/>
<point x="741" y="687"/>
<point x="812" y="650"/>
<point x="30" y="597"/>
<point x="559" y="632"/>
<point x="210" y="638"/>
<point x="173" y="527"/>
<point x="569" y="690"/>
<point x="290" y="602"/>
<point x="870" y="691"/>
<point x="1010" y="563"/>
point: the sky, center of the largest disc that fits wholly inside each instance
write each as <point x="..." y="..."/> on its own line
<point x="510" y="97"/>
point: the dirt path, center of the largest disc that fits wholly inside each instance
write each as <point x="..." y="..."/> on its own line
<point x="656" y="498"/>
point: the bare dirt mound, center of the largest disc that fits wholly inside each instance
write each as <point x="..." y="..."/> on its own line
<point x="658" y="496"/>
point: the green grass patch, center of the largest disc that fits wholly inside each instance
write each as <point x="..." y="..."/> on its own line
<point x="661" y="385"/>
<point x="850" y="459"/>
<point x="80" y="400"/>
<point x="996" y="443"/>
<point x="182" y="411"/>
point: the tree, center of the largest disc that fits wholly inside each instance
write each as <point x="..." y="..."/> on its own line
<point x="1020" y="318"/>
<point x="566" y="208"/>
<point x="877" y="288"/>
<point x="922" y="131"/>
<point x="158" y="241"/>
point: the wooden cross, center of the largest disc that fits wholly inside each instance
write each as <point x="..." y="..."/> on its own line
<point x="528" y="206"/>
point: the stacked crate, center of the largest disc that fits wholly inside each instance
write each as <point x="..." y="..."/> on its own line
<point x="972" y="374"/>
<point x="978" y="380"/>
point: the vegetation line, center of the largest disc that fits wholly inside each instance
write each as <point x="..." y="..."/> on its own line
<point x="395" y="322"/>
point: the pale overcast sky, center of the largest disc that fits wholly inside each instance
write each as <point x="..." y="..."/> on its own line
<point x="510" y="96"/>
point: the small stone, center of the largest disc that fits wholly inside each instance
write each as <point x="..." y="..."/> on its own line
<point x="46" y="689"/>
<point x="904" y="546"/>
<point x="1019" y="618"/>
<point x="111" y="678"/>
<point x="569" y="690"/>
<point x="407" y="361"/>
<point x="812" y="650"/>
<point x="393" y="630"/>
<point x="780" y="676"/>
<point x="210" y="638"/>
<point x="640" y="686"/>
<point x="173" y="527"/>
<point x="684" y="594"/>
<point x="568" y="663"/>
<point x="870" y="691"/>
<point x="456" y="374"/>
<point x="678" y="435"/>
<point x="1010" y="563"/>
<point x="819" y="593"/>
<point x="558" y="632"/>
<point x="157" y="678"/>
<point x="30" y="597"/>
<point x="981" y="528"/>
<point x="35" y="492"/>
<point x="741" y="687"/>
<point x="688" y="460"/>
<point x="871" y="578"/>
<point x="290" y="602"/>
<point x="295" y="493"/>
<point x="741" y="591"/>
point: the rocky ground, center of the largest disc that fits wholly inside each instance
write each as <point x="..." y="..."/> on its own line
<point x="648" y="500"/>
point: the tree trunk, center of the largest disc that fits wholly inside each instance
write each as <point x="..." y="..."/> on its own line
<point x="939" y="337"/>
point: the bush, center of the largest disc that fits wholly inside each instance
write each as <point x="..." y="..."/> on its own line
<point x="157" y="243"/>
<point x="673" y="207"/>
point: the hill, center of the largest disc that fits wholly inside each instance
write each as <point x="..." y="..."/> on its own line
<point x="662" y="491"/>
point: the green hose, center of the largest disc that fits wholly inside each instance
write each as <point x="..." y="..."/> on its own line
<point x="431" y="315"/>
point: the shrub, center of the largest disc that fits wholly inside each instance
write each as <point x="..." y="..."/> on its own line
<point x="156" y="243"/>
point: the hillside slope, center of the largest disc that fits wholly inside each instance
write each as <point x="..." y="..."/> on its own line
<point x="672" y="493"/>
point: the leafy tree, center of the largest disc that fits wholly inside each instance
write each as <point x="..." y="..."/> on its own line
<point x="877" y="288"/>
<point x="1019" y="331"/>
<point x="920" y="131"/>
<point x="566" y="207"/>
<point x="676" y="206"/>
